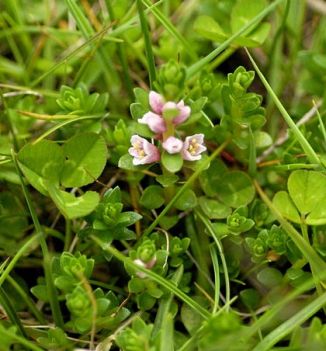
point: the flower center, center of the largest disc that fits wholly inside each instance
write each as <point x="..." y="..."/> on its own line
<point x="193" y="147"/>
<point x="139" y="149"/>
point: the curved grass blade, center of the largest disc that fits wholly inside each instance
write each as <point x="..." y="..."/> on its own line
<point x="170" y="28"/>
<point x="157" y="278"/>
<point x="10" y="311"/>
<point x="64" y="123"/>
<point x="287" y="327"/>
<point x="312" y="156"/>
<point x="318" y="265"/>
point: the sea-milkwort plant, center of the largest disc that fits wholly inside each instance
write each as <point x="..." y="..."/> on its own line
<point x="163" y="120"/>
<point x="162" y="175"/>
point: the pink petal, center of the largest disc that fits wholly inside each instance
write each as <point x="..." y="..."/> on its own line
<point x="186" y="155"/>
<point x="156" y="102"/>
<point x="172" y="145"/>
<point x="152" y="153"/>
<point x="199" y="138"/>
<point x="184" y="113"/>
<point x="170" y="105"/>
<point x="136" y="139"/>
<point x="155" y="122"/>
<point x="133" y="152"/>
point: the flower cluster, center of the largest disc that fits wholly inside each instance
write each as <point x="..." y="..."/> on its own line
<point x="162" y="120"/>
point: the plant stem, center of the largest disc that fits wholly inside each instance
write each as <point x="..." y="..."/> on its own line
<point x="67" y="235"/>
<point x="53" y="298"/>
<point x="211" y="231"/>
<point x="12" y="336"/>
<point x="185" y="186"/>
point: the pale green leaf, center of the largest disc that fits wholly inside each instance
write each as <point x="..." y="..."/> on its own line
<point x="71" y="206"/>
<point x="42" y="161"/>
<point x="285" y="206"/>
<point x="86" y="158"/>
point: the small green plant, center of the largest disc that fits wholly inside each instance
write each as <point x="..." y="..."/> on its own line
<point x="162" y="175"/>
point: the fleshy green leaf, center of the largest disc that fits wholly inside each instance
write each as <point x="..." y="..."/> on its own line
<point x="173" y="163"/>
<point x="186" y="201"/>
<point x="214" y="209"/>
<point x="153" y="197"/>
<point x="244" y="11"/>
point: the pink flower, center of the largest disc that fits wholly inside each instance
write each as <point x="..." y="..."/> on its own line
<point x="156" y="102"/>
<point x="155" y="122"/>
<point x="172" y="145"/>
<point x="183" y="111"/>
<point x="193" y="147"/>
<point x="147" y="265"/>
<point x="143" y="151"/>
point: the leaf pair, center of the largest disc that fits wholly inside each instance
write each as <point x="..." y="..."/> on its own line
<point x="305" y="201"/>
<point x="79" y="162"/>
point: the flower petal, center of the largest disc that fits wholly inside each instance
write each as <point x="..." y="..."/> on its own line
<point x="155" y="122"/>
<point x="184" y="113"/>
<point x="156" y="102"/>
<point x="193" y="147"/>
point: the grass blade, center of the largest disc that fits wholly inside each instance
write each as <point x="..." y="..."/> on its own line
<point x="157" y="278"/>
<point x="312" y="156"/>
<point x="148" y="44"/>
<point x="47" y="264"/>
<point x="285" y="328"/>
<point x="171" y="28"/>
<point x="7" y="306"/>
<point x="207" y="223"/>
<point x="216" y="279"/>
<point x="185" y="186"/>
<point x="308" y="252"/>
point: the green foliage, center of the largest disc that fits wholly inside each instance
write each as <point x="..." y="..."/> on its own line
<point x="136" y="338"/>
<point x="79" y="162"/>
<point x="241" y="13"/>
<point x="305" y="201"/>
<point x="55" y="338"/>
<point x="72" y="269"/>
<point x="271" y="242"/>
<point x="79" y="102"/>
<point x="171" y="79"/>
<point x="13" y="221"/>
<point x="109" y="221"/>
<point x="100" y="253"/>
<point x="238" y="223"/>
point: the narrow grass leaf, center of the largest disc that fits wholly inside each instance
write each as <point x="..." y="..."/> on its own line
<point x="295" y="321"/>
<point x="157" y="278"/>
<point x="168" y="25"/>
<point x="312" y="156"/>
<point x="185" y="186"/>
